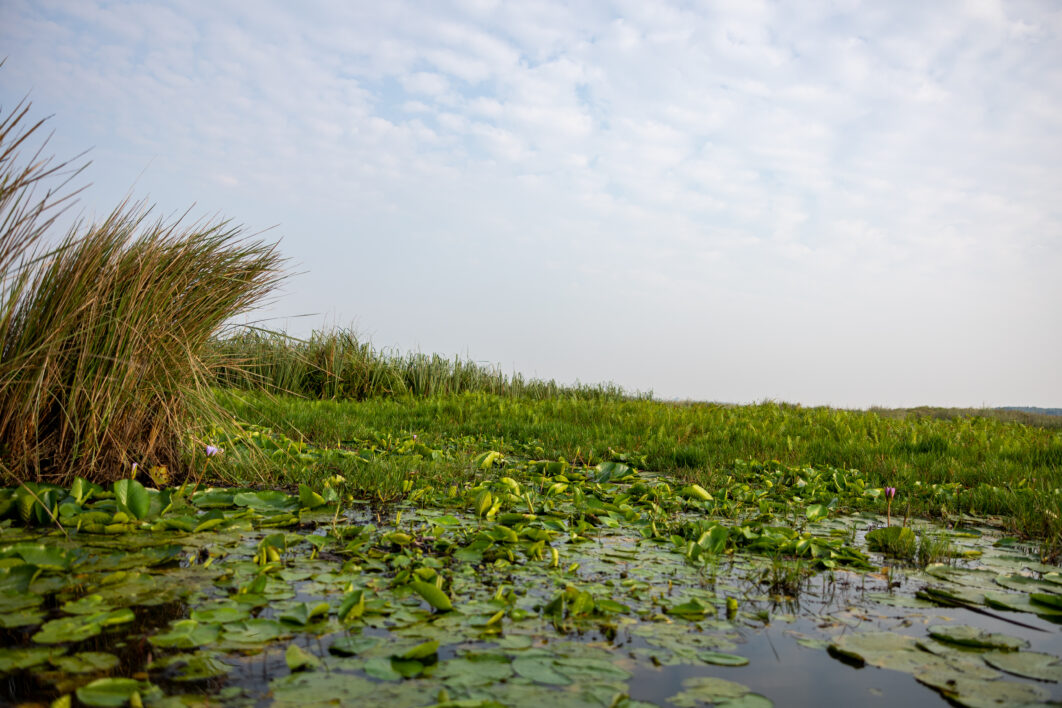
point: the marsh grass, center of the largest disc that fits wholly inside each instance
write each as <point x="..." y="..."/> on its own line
<point x="102" y="337"/>
<point x="988" y="467"/>
<point x="337" y="365"/>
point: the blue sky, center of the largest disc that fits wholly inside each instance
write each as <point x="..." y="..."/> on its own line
<point x="846" y="203"/>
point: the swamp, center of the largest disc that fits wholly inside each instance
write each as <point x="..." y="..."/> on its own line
<point x="425" y="568"/>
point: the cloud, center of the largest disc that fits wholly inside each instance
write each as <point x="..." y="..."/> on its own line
<point x="837" y="149"/>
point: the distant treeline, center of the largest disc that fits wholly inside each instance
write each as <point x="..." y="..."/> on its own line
<point x="337" y="365"/>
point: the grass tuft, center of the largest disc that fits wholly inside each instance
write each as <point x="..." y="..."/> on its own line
<point x="102" y="337"/>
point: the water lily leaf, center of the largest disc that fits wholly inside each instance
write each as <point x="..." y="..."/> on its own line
<point x="587" y="669"/>
<point x="870" y="647"/>
<point x="132" y="498"/>
<point x="214" y="498"/>
<point x="44" y="557"/>
<point x="309" y="499"/>
<point x="79" y="628"/>
<point x="722" y="659"/>
<point x="1020" y="602"/>
<point x="191" y="667"/>
<point x="87" y="605"/>
<point x="421" y="651"/>
<point x="221" y="614"/>
<point x="298" y="659"/>
<point x="708" y="689"/>
<point x="86" y="662"/>
<point x="15" y="659"/>
<point x="432" y="595"/>
<point x="352" y="646"/>
<point x="474" y="670"/>
<point x="540" y="669"/>
<point x="22" y="618"/>
<point x="266" y="500"/>
<point x="186" y="634"/>
<point x="112" y="692"/>
<point x="253" y="631"/>
<point x="1046" y="599"/>
<point x="966" y="635"/>
<point x="380" y="667"/>
<point x="978" y="693"/>
<point x="1031" y="664"/>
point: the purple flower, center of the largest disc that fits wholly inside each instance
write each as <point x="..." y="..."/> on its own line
<point x="211" y="450"/>
<point x="890" y="492"/>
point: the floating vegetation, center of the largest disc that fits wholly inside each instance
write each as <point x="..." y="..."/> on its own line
<point x="542" y="581"/>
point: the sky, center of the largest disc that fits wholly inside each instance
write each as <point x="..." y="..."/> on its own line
<point x="829" y="203"/>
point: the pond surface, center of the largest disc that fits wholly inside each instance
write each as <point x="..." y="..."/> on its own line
<point x="598" y="586"/>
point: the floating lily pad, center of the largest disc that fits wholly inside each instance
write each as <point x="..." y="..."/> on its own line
<point x="966" y="635"/>
<point x="86" y="662"/>
<point x="722" y="659"/>
<point x="978" y="693"/>
<point x="474" y="670"/>
<point x="113" y="692"/>
<point x="351" y="646"/>
<point x="540" y="669"/>
<point x="16" y="659"/>
<point x="1030" y="664"/>
<point x="716" y="691"/>
<point x="298" y="659"/>
<point x="186" y="634"/>
<point x="80" y="627"/>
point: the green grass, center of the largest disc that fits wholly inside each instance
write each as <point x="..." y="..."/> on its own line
<point x="336" y="364"/>
<point x="942" y="468"/>
<point x="102" y="337"/>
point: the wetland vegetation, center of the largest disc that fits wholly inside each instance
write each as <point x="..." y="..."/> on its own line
<point x="194" y="516"/>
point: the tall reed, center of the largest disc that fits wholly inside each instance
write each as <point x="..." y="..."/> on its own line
<point x="335" y="364"/>
<point x="102" y="337"/>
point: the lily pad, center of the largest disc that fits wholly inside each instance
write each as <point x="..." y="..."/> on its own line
<point x="978" y="693"/>
<point x="1029" y="664"/>
<point x="186" y="634"/>
<point x="716" y="691"/>
<point x="191" y="667"/>
<point x="722" y="659"/>
<point x="969" y="636"/>
<point x="15" y="659"/>
<point x="112" y="692"/>
<point x="540" y="669"/>
<point x="298" y="659"/>
<point x="86" y="662"/>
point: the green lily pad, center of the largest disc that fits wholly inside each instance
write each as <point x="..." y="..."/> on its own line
<point x="474" y="670"/>
<point x="352" y="646"/>
<point x="716" y="691"/>
<point x="17" y="659"/>
<point x="86" y="662"/>
<point x="186" y="634"/>
<point x="113" y="692"/>
<point x="966" y="635"/>
<point x="432" y="595"/>
<point x="1030" y="664"/>
<point x="80" y="627"/>
<point x="87" y="605"/>
<point x="722" y="659"/>
<point x="266" y="500"/>
<point x="540" y="669"/>
<point x="25" y="618"/>
<point x="978" y="693"/>
<point x="191" y="667"/>
<point x="221" y="614"/>
<point x="298" y="659"/>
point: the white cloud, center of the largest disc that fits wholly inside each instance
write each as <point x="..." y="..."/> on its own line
<point x="665" y="154"/>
